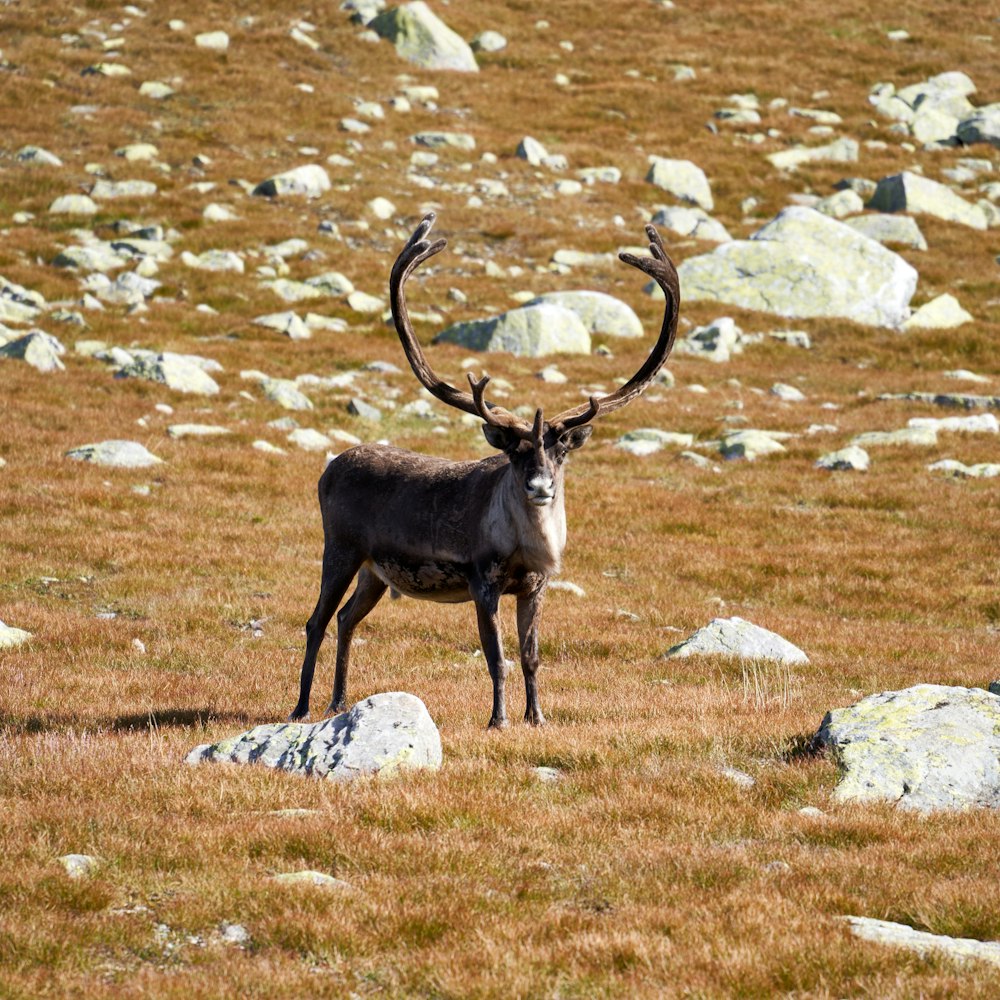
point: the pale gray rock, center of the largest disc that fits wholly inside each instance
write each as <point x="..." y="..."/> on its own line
<point x="979" y="423"/>
<point x="309" y="439"/>
<point x="105" y="190"/>
<point x="365" y="411"/>
<point x="909" y="192"/>
<point x="805" y="264"/>
<point x="581" y="258"/>
<point x="838" y="151"/>
<point x="530" y="331"/>
<point x="488" y="41"/>
<point x="739" y="778"/>
<point x="750" y="445"/>
<point x="851" y="458"/>
<point x="901" y="230"/>
<point x="288" y="323"/>
<point x="598" y="311"/>
<point x="960" y="400"/>
<point x="649" y="440"/>
<point x="214" y="212"/>
<point x="683" y="179"/>
<point x="212" y="41"/>
<point x="718" y="341"/>
<point x="138" y="152"/>
<point x="437" y="140"/>
<point x="983" y="125"/>
<point x="37" y="156"/>
<point x="737" y="637"/>
<point x="39" y="349"/>
<point x="10" y="636"/>
<point x="952" y="467"/>
<point x="331" y="283"/>
<point x="73" y="204"/>
<point x="532" y="151"/>
<point x="694" y="222"/>
<point x="422" y="38"/>
<point x="214" y="260"/>
<point x="96" y="256"/>
<point x="156" y="90"/>
<point x="926" y="747"/>
<point x="79" y="865"/>
<point x="293" y="291"/>
<point x="841" y="204"/>
<point x="285" y="393"/>
<point x="787" y="393"/>
<point x="921" y="437"/>
<point x="115" y="454"/>
<point x="383" y="735"/>
<point x="176" y="371"/>
<point x="941" y="313"/>
<point x="924" y="944"/>
<point x="309" y="181"/>
<point x="197" y="430"/>
<point x="599" y="175"/>
<point x="319" y="880"/>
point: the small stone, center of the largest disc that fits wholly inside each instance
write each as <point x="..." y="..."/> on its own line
<point x="36" y="155"/>
<point x="739" y="778"/>
<point x="73" y="204"/>
<point x="214" y="260"/>
<point x="180" y="372"/>
<point x="268" y="448"/>
<point x="310" y="181"/>
<point x="787" y="393"/>
<point x="105" y="190"/>
<point x="952" y="467"/>
<point x="436" y="140"/>
<point x="887" y="932"/>
<point x="10" y="636"/>
<point x="922" y="437"/>
<point x="488" y="41"/>
<point x="362" y="302"/>
<point x="218" y="213"/>
<point x="359" y="408"/>
<point x="683" y="179"/>
<point x="382" y="208"/>
<point x="178" y="431"/>
<point x="531" y="150"/>
<point x="941" y="313"/>
<point x="79" y="865"/>
<point x="286" y="394"/>
<point x="547" y="775"/>
<point x="213" y="41"/>
<point x="287" y="323"/>
<point x="979" y="423"/>
<point x="309" y="440"/>
<point x="318" y="879"/>
<point x="750" y="445"/>
<point x="234" y="934"/>
<point x="851" y="458"/>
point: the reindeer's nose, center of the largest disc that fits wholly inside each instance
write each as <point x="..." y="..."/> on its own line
<point x="541" y="490"/>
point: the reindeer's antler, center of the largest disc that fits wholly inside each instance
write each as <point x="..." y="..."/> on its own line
<point x="417" y="250"/>
<point x="661" y="269"/>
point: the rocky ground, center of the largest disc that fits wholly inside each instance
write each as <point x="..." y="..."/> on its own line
<point x="199" y="209"/>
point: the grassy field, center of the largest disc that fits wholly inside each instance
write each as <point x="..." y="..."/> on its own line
<point x="644" y="871"/>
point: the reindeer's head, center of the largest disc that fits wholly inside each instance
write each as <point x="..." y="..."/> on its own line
<point x="536" y="450"/>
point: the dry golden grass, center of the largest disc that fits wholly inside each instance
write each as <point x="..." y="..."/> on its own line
<point x="643" y="872"/>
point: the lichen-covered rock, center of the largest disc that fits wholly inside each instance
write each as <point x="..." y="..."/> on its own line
<point x="39" y="349"/>
<point x="926" y="747"/>
<point x="10" y="636"/>
<point x="738" y="637"/>
<point x="921" y="437"/>
<point x="73" y="204"/>
<point x="899" y="229"/>
<point x="751" y="444"/>
<point x="175" y="371"/>
<point x="941" y="313"/>
<point x="717" y="341"/>
<point x="381" y="735"/>
<point x="851" y="458"/>
<point x="683" y="179"/>
<point x="598" y="311"/>
<point x="116" y="454"/>
<point x="694" y="222"/>
<point x="309" y="181"/>
<point x="214" y="260"/>
<point x="530" y="331"/>
<point x="436" y="140"/>
<point x="285" y="393"/>
<point x="923" y="943"/>
<point x="838" y="151"/>
<point x="422" y="38"/>
<point x="805" y="264"/>
<point x="909" y="192"/>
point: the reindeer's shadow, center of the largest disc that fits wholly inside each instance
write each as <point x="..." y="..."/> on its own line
<point x="132" y="722"/>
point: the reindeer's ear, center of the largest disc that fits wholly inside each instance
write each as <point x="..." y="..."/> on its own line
<point x="576" y="438"/>
<point x="501" y="438"/>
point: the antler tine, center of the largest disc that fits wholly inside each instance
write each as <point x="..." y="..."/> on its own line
<point x="493" y="414"/>
<point x="661" y="269"/>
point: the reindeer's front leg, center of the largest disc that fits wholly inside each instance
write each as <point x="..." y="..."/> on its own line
<point x="529" y="616"/>
<point x="486" y="595"/>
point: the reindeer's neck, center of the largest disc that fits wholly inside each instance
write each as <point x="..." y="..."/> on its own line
<point x="540" y="532"/>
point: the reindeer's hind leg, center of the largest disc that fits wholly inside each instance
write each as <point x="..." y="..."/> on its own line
<point x="366" y="595"/>
<point x="340" y="563"/>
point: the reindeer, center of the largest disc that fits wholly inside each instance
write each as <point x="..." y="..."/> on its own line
<point x="448" y="531"/>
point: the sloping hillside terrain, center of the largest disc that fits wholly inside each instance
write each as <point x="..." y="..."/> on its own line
<point x="672" y="830"/>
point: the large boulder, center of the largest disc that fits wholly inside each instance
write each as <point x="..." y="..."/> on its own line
<point x="598" y="311"/>
<point x="422" y="38"/>
<point x="310" y="180"/>
<point x="908" y="192"/>
<point x="380" y="735"/>
<point x="39" y="349"/>
<point x="805" y="264"/>
<point x="738" y="637"/>
<point x="926" y="747"/>
<point x="531" y="331"/>
<point x="683" y="179"/>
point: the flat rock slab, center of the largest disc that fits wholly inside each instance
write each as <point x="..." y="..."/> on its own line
<point x="175" y="371"/>
<point x="737" y="637"/>
<point x="908" y="192"/>
<point x="903" y="936"/>
<point x="925" y="747"/>
<point x="961" y="400"/>
<point x="805" y="264"/>
<point x="309" y="181"/>
<point x="115" y="454"/>
<point x="851" y="458"/>
<point x="380" y="735"/>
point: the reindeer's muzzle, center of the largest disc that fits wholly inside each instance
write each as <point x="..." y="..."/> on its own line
<point x="541" y="490"/>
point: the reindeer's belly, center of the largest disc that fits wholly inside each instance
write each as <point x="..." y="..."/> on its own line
<point x="425" y="579"/>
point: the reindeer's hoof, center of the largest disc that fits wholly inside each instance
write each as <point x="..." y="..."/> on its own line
<point x="334" y="708"/>
<point x="499" y="723"/>
<point x="298" y="715"/>
<point x="535" y="719"/>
